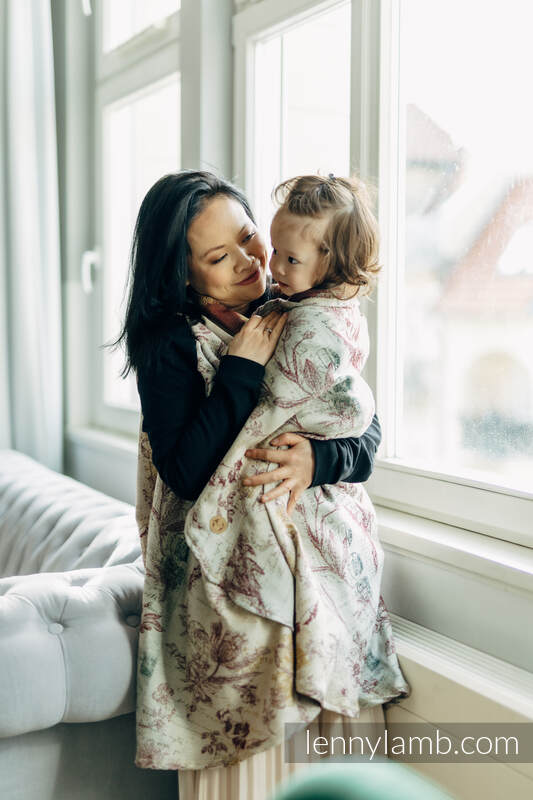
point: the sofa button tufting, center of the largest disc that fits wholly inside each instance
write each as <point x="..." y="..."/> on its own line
<point x="133" y="620"/>
<point x="55" y="627"/>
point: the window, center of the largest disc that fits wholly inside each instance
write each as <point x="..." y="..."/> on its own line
<point x="123" y="19"/>
<point x="395" y="93"/>
<point x="468" y="291"/>
<point x="302" y="103"/>
<point x="137" y="100"/>
<point x="141" y="143"/>
<point x="456" y="302"/>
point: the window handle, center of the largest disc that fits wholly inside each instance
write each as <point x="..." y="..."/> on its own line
<point x="90" y="259"/>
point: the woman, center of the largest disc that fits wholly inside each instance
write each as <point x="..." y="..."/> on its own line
<point x="197" y="254"/>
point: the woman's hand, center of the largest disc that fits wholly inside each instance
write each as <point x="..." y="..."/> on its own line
<point x="296" y="468"/>
<point x="258" y="337"/>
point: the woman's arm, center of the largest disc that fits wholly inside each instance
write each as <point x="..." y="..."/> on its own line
<point x="189" y="433"/>
<point x="350" y="459"/>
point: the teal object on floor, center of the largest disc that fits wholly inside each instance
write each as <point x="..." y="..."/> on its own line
<point x="379" y="780"/>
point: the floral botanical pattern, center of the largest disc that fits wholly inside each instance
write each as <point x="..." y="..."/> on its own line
<point x="252" y="618"/>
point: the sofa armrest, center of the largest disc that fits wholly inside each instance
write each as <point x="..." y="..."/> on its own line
<point x="68" y="646"/>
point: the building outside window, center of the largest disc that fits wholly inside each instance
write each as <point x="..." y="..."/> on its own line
<point x="390" y="90"/>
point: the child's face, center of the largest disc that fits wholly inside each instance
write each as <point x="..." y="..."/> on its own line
<point x="296" y="262"/>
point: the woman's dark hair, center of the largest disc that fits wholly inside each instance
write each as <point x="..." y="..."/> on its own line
<point x="158" y="264"/>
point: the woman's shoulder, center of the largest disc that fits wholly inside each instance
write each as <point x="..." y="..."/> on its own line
<point x="176" y="332"/>
<point x="170" y="345"/>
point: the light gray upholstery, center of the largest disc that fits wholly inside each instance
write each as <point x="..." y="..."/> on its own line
<point x="70" y="603"/>
<point x="52" y="523"/>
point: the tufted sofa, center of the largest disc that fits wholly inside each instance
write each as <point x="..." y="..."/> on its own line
<point x="71" y="578"/>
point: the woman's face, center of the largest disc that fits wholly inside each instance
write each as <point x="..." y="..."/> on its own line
<point x="228" y="257"/>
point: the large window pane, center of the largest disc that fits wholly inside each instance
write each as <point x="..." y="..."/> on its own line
<point x="302" y="104"/>
<point x="123" y="19"/>
<point x="141" y="136"/>
<point x="468" y="293"/>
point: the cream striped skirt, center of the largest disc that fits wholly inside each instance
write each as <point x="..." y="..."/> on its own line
<point x="260" y="776"/>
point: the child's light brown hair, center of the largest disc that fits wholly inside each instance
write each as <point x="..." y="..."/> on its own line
<point x="351" y="241"/>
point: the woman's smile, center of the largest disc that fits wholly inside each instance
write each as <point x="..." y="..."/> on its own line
<point x="251" y="278"/>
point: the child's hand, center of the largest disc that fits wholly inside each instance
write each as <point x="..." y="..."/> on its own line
<point x="296" y="468"/>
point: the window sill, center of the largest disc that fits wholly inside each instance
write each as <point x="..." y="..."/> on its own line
<point x="487" y="510"/>
<point x="496" y="682"/>
<point x="421" y="538"/>
<point x="102" y="440"/>
<point x="105" y="460"/>
<point x="469" y="587"/>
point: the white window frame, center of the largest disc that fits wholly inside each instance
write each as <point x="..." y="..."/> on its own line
<point x="483" y="508"/>
<point x="147" y="58"/>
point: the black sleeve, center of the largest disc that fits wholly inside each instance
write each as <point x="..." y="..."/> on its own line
<point x="189" y="433"/>
<point x="350" y="459"/>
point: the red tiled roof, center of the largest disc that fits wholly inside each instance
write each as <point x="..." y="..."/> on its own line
<point x="475" y="284"/>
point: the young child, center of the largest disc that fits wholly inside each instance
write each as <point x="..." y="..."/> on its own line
<point x="325" y="242"/>
<point x="324" y="236"/>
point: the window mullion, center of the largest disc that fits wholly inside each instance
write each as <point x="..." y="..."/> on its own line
<point x="388" y="340"/>
<point x="283" y="111"/>
<point x="399" y="266"/>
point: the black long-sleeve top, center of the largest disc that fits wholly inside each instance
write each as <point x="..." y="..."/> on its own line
<point x="189" y="432"/>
